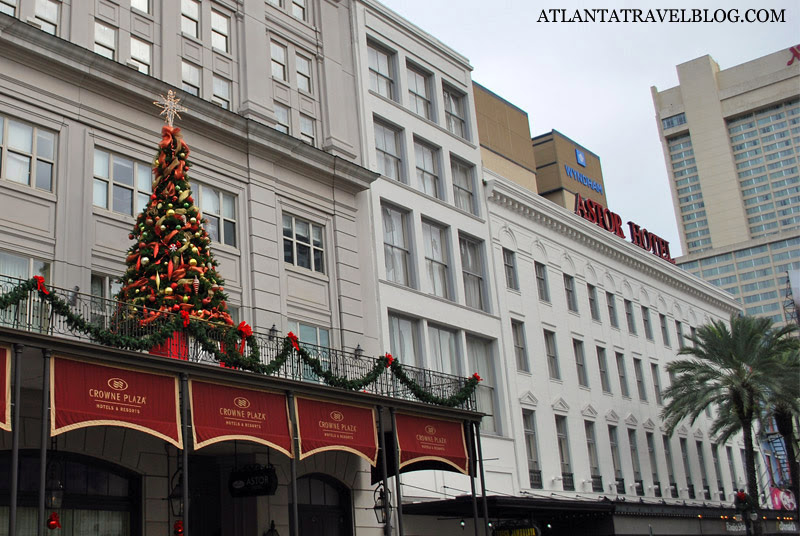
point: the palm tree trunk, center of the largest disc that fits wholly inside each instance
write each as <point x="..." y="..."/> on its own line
<point x="750" y="468"/>
<point x="785" y="425"/>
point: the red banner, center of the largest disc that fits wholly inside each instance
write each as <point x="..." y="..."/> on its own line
<point x="87" y="394"/>
<point x="5" y="388"/>
<point x="424" y="438"/>
<point x="223" y="413"/>
<point x="325" y="425"/>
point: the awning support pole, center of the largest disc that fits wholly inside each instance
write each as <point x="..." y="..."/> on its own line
<point x="17" y="406"/>
<point x="397" y="482"/>
<point x="185" y="476"/>
<point x="45" y="437"/>
<point x="387" y="505"/>
<point x="294" y="521"/>
<point x="471" y="463"/>
<point x="477" y="426"/>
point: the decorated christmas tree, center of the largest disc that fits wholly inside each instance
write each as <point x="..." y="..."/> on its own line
<point x="170" y="264"/>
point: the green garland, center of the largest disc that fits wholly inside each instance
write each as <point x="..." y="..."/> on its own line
<point x="223" y="342"/>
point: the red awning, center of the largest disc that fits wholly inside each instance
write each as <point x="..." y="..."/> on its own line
<point x="326" y="425"/>
<point x="5" y="388"/>
<point x="87" y="394"/>
<point x="223" y="412"/>
<point x="424" y="438"/>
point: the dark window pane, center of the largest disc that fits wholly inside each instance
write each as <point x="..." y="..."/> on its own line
<point x="317" y="491"/>
<point x="212" y="227"/>
<point x="76" y="478"/>
<point x="98" y="481"/>
<point x="123" y="200"/>
<point x="229" y="232"/>
<point x="44" y="175"/>
<point x="303" y="256"/>
<point x="318" y="264"/>
<point x="288" y="251"/>
<point x="123" y="171"/>
<point x="117" y="485"/>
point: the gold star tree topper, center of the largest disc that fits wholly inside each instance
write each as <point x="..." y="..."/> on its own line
<point x="169" y="107"/>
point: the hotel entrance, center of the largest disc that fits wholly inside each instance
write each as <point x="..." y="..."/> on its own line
<point x="324" y="506"/>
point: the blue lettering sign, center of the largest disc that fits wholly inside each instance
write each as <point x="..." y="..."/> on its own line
<point x="580" y="157"/>
<point x="583" y="179"/>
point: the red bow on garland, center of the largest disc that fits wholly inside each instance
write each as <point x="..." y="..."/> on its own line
<point x="40" y="284"/>
<point x="293" y="338"/>
<point x="478" y="378"/>
<point x="177" y="528"/>
<point x="53" y="522"/>
<point x="246" y="331"/>
<point x="389" y="360"/>
<point x="185" y="316"/>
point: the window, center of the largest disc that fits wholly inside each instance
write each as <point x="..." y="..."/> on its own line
<point x="8" y="7"/>
<point x="648" y="328"/>
<point x="520" y="352"/>
<point x="395" y="245"/>
<point x="141" y="55"/>
<point x="141" y="5"/>
<point x="388" y="152"/>
<point x="531" y="449"/>
<point x="35" y="314"/>
<point x="463" y="188"/>
<point x="731" y="466"/>
<point x="105" y="40"/>
<point x="190" y="18"/>
<point x="220" y="31"/>
<point x="629" y="316"/>
<point x="541" y="281"/>
<point x="580" y="363"/>
<point x="222" y="92"/>
<point x="510" y="267"/>
<point x="479" y="353"/>
<point x="612" y="309"/>
<point x="637" y="468"/>
<point x="103" y="288"/>
<point x="639" y="374"/>
<point x="591" y="448"/>
<point x="120" y="183"/>
<point x="602" y="365"/>
<point x="190" y="75"/>
<point x="686" y="467"/>
<point x="427" y="159"/>
<point x="651" y="453"/>
<point x="715" y="452"/>
<point x="27" y="154"/>
<point x="664" y="333"/>
<point x="623" y="380"/>
<point x="299" y="9"/>
<point x="552" y="355"/>
<point x="282" y="118"/>
<point x="278" y="61"/>
<point x="563" y="453"/>
<point x="418" y="92"/>
<point x="381" y="71"/>
<point x="302" y="244"/>
<point x="569" y="292"/>
<point x="219" y="211"/>
<point x="303" y="73"/>
<point x="670" y="468"/>
<point x="403" y="335"/>
<point x="679" y="331"/>
<point x="594" y="308"/>
<point x="316" y="341"/>
<point x="307" y="130"/>
<point x="693" y="334"/>
<point x="703" y="471"/>
<point x="673" y="121"/>
<point x="613" y="442"/>
<point x="472" y="271"/>
<point x="436" y="259"/>
<point x="454" y="112"/>
<point x="656" y="383"/>
<point x="47" y="15"/>
<point x="443" y="349"/>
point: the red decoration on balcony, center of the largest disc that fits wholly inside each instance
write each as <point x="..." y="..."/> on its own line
<point x="185" y="317"/>
<point x="389" y="360"/>
<point x="293" y="338"/>
<point x="40" y="284"/>
<point x="53" y="522"/>
<point x="245" y="331"/>
<point x="176" y="346"/>
<point x="478" y="378"/>
<point x="177" y="528"/>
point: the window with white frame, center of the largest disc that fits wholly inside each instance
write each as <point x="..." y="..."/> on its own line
<point x="404" y="339"/>
<point x="303" y="244"/>
<point x="443" y="343"/>
<point x="531" y="449"/>
<point x="36" y="314"/>
<point x="395" y="245"/>
<point x="542" y="286"/>
<point x="141" y="5"/>
<point x="103" y="288"/>
<point x="551" y="352"/>
<point x="276" y="3"/>
<point x="653" y="458"/>
<point x="638" y="372"/>
<point x="282" y="121"/>
<point x="278" y="56"/>
<point x="670" y="466"/>
<point x="664" y="331"/>
<point x="120" y="184"/>
<point x="190" y="76"/>
<point x="623" y="375"/>
<point x="611" y="301"/>
<point x="303" y="73"/>
<point x="569" y="293"/>
<point x="594" y="308"/>
<point x="648" y="327"/>
<point x="580" y="363"/>
<point x="613" y="441"/>
<point x="105" y="40"/>
<point x="27" y="154"/>
<point x="427" y="160"/>
<point x="656" y="383"/>
<point x="141" y="55"/>
<point x="510" y="268"/>
<point x="190" y="18"/>
<point x="562" y="437"/>
<point x="387" y="147"/>
<point x="479" y="352"/>
<point x="299" y="9"/>
<point x="46" y="12"/>
<point x="463" y="185"/>
<point x="679" y="332"/>
<point x="219" y="211"/>
<point x="436" y="258"/>
<point x="472" y="270"/>
<point x="220" y="31"/>
<point x="454" y="111"/>
<point x="307" y="130"/>
<point x="419" y="91"/>
<point x="8" y="7"/>
<point x="381" y="70"/>
<point x="520" y="350"/>
<point x="602" y="365"/>
<point x="222" y="92"/>
<point x="635" y="462"/>
<point x="316" y="340"/>
<point x="591" y="449"/>
<point x="629" y="316"/>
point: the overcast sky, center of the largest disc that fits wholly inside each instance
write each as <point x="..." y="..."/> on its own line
<point x="591" y="81"/>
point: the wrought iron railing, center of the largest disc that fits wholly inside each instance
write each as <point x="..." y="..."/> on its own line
<point x="657" y="488"/>
<point x="535" y="476"/>
<point x="673" y="490"/>
<point x="691" y="491"/>
<point x="597" y="483"/>
<point x="639" y="487"/>
<point x="620" y="486"/>
<point x="568" y="481"/>
<point x="33" y="314"/>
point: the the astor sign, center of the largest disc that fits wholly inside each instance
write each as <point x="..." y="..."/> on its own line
<point x="611" y="222"/>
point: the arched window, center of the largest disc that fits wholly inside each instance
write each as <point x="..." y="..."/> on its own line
<point x="324" y="506"/>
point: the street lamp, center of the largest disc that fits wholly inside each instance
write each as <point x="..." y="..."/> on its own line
<point x="382" y="500"/>
<point x="176" y="495"/>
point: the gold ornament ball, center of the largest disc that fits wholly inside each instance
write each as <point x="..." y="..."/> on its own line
<point x="193" y="220"/>
<point x="145" y="261"/>
<point x="186" y="299"/>
<point x="192" y="262"/>
<point x="194" y="250"/>
<point x="170" y="212"/>
<point x="197" y="234"/>
<point x="168" y="291"/>
<point x="169" y="205"/>
<point x="163" y="227"/>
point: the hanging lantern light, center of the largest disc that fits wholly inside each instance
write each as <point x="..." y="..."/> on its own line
<point x="176" y="495"/>
<point x="272" y="530"/>
<point x="382" y="499"/>
<point x="54" y="486"/>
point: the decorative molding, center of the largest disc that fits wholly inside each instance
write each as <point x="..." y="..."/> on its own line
<point x="682" y="431"/>
<point x="649" y="425"/>
<point x="698" y="433"/>
<point x="589" y="412"/>
<point x="560" y="405"/>
<point x="612" y="416"/>
<point x="630" y="420"/>
<point x="527" y="399"/>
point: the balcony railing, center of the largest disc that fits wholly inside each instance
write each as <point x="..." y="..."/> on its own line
<point x="673" y="490"/>
<point x="639" y="486"/>
<point x="535" y="476"/>
<point x="691" y="491"/>
<point x="597" y="483"/>
<point x="657" y="489"/>
<point x="33" y="314"/>
<point x="568" y="480"/>
<point x="620" y="486"/>
<point x="707" y="493"/>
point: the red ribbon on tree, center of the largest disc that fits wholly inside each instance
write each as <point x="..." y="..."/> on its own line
<point x="53" y="522"/>
<point x="293" y="338"/>
<point x="477" y="377"/>
<point x="185" y="316"/>
<point x="389" y="360"/>
<point x="40" y="284"/>
<point x="177" y="528"/>
<point x="246" y="331"/>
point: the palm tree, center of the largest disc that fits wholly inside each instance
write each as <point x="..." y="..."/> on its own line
<point x="738" y="370"/>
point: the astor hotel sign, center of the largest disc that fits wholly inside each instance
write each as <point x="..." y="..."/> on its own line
<point x="611" y="222"/>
